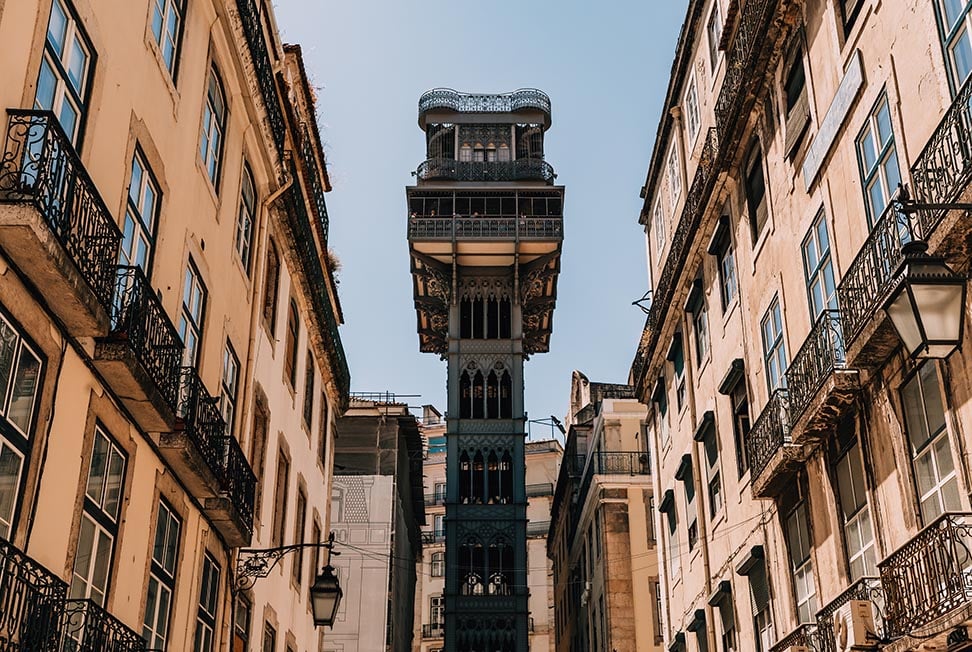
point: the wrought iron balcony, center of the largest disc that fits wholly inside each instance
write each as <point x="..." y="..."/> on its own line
<point x="194" y="448"/>
<point x="524" y="169"/>
<point x="263" y="69"/>
<point x="452" y="100"/>
<point x="313" y="177"/>
<point x="929" y="576"/>
<point x="310" y="262"/>
<point x="437" y="536"/>
<point x="866" y="588"/>
<point x="819" y="382"/>
<point x="58" y="229"/>
<point x="141" y="354"/>
<point x="232" y="511"/>
<point x="433" y="630"/>
<point x="614" y="463"/>
<point x="807" y="635"/>
<point x="31" y="603"/>
<point x="485" y="228"/>
<point x="771" y="452"/>
<point x="89" y="628"/>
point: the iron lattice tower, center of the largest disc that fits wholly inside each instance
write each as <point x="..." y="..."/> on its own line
<point x="485" y="231"/>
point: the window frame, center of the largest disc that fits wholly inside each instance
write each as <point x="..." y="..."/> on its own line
<point x="948" y="36"/>
<point x="271" y="289"/>
<point x="192" y="318"/>
<point x="300" y="528"/>
<point x="134" y="212"/>
<point x="246" y="220"/>
<point x="716" y="55"/>
<point x="307" y="416"/>
<point x="883" y="155"/>
<point x="693" y="116"/>
<point x="74" y="33"/>
<point x="817" y="274"/>
<point x="674" y="171"/>
<point x="229" y="387"/>
<point x="207" y="607"/>
<point x="171" y="67"/>
<point x="291" y="343"/>
<point x="164" y="578"/>
<point x="774" y="352"/>
<point x="281" y="489"/>
<point x="755" y="160"/>
<point x="212" y="159"/>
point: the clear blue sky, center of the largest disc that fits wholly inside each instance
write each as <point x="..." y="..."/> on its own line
<point x="605" y="66"/>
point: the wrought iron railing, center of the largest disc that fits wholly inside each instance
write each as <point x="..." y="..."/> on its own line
<point x="447" y="98"/>
<point x="486" y="228"/>
<point x="630" y="463"/>
<point x="433" y="630"/>
<point x="523" y="169"/>
<point x="201" y="419"/>
<point x="685" y="232"/>
<point x="310" y="262"/>
<point x="31" y="603"/>
<point x="753" y="22"/>
<point x="238" y="481"/>
<point x="866" y="588"/>
<point x="437" y="536"/>
<point x="263" y="68"/>
<point x="89" y="628"/>
<point x="40" y="166"/>
<point x="929" y="576"/>
<point x="138" y="319"/>
<point x="806" y="635"/>
<point x="944" y="168"/>
<point x="316" y="187"/>
<point x="770" y="432"/>
<point x="820" y="356"/>
<point x="434" y="499"/>
<point x="870" y="276"/>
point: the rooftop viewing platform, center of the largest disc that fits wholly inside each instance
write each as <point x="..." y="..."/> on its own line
<point x="449" y="100"/>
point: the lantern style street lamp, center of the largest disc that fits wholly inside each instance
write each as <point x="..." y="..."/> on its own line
<point x="927" y="307"/>
<point x="326" y="597"/>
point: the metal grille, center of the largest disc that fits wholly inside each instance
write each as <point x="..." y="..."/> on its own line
<point x="263" y="68"/>
<point x="31" y="603"/>
<point x="89" y="628"/>
<point x="770" y="432"/>
<point x="447" y="98"/>
<point x="821" y="354"/>
<point x="527" y="169"/>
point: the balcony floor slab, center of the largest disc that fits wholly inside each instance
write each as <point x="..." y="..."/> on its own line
<point x="28" y="241"/>
<point x="226" y="519"/>
<point x="131" y="382"/>
<point x="184" y="457"/>
<point x="777" y="472"/>
<point x="826" y="408"/>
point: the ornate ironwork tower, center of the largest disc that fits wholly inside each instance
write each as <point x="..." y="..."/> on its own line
<point x="485" y="231"/>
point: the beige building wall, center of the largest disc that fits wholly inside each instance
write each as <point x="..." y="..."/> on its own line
<point x="854" y="399"/>
<point x="135" y="106"/>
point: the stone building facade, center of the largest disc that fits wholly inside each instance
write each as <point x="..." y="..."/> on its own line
<point x="813" y="475"/>
<point x="602" y="537"/>
<point x="172" y="362"/>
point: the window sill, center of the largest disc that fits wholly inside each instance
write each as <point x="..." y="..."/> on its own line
<point x="728" y="312"/>
<point x="761" y="241"/>
<point x="166" y="74"/>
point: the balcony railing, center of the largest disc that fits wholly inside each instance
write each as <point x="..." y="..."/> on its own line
<point x="629" y="463"/>
<point x="238" y="481"/>
<point x="870" y="276"/>
<point x="31" y="603"/>
<point x="138" y="318"/>
<point x="446" y="98"/>
<point x="316" y="189"/>
<point x="485" y="228"/>
<point x="201" y="419"/>
<point x="40" y="166"/>
<point x="433" y="630"/>
<point x="434" y="499"/>
<point x="433" y="537"/>
<point x="89" y="628"/>
<point x="820" y="356"/>
<point x="525" y="169"/>
<point x="770" y="432"/>
<point x="263" y="68"/>
<point x="866" y="588"/>
<point x="806" y="635"/>
<point x="310" y="262"/>
<point x="929" y="576"/>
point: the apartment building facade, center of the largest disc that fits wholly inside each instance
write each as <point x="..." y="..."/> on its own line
<point x="812" y="471"/>
<point x="161" y="195"/>
<point x="602" y="539"/>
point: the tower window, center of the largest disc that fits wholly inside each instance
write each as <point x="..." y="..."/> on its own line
<point x="485" y="318"/>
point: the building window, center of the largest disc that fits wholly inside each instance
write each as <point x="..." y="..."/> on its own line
<point x="734" y="386"/>
<point x="774" y="348"/>
<point x="436" y="610"/>
<point x="438" y="526"/>
<point x="488" y="318"/>
<point x="246" y="219"/>
<point x="700" y="324"/>
<point x="269" y="638"/>
<point x="141" y="213"/>
<point x="674" y="177"/>
<point x="206" y="612"/>
<point x="678" y="364"/>
<point x="674" y="562"/>
<point x="438" y="564"/>
<point x="325" y="419"/>
<point x="726" y="260"/>
<point x="241" y="629"/>
<point x="685" y="474"/>
<point x="936" y="477"/>
<point x="796" y="526"/>
<point x="762" y="611"/>
<point x="710" y="448"/>
<point x="878" y="158"/>
<point x="714" y="30"/>
<point x="485" y="396"/>
<point x="818" y="268"/>
<point x="191" y="316"/>
<point x="658" y="222"/>
<point x="692" y="112"/>
<point x="300" y="515"/>
<point x="661" y="414"/>
<point x="659" y="610"/>
<point x="99" y="520"/>
<point x="162" y="573"/>
<point x="756" y="192"/>
<point x="280" y="499"/>
<point x="956" y="26"/>
<point x="271" y="285"/>
<point x="847" y="470"/>
<point x="228" y="387"/>
<point x="213" y="126"/>
<point x="849" y="9"/>
<point x="167" y="30"/>
<point x="309" y="391"/>
<point x="62" y="84"/>
<point x="797" y="104"/>
<point x="21" y="377"/>
<point x="290" y="348"/>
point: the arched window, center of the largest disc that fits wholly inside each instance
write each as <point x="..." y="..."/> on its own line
<point x="492" y="396"/>
<point x="471" y="567"/>
<point x="477" y="319"/>
<point x="478" y="478"/>
<point x="506" y="396"/>
<point x="465" y="478"/>
<point x="478" y="394"/>
<point x="489" y="319"/>
<point x="465" y="396"/>
<point x="493" y="478"/>
<point x="465" y="318"/>
<point x="500" y="564"/>
<point x="271" y="283"/>
<point x="505" y="319"/>
<point x="492" y="319"/>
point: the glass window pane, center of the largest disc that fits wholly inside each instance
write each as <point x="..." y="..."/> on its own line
<point x="952" y="10"/>
<point x="884" y="124"/>
<point x="116" y="478"/>
<point x="10" y="465"/>
<point x="24" y="389"/>
<point x="102" y="561"/>
<point x="82" y="560"/>
<point x="962" y="56"/>
<point x="933" y="408"/>
<point x="77" y="69"/>
<point x="46" y="87"/>
<point x="57" y="28"/>
<point x="868" y="152"/>
<point x="172" y="545"/>
<point x="99" y="465"/>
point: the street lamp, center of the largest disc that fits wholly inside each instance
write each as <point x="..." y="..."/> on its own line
<point x="928" y="304"/>
<point x="325" y="593"/>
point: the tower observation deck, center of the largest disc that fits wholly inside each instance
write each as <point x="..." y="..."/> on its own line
<point x="485" y="228"/>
